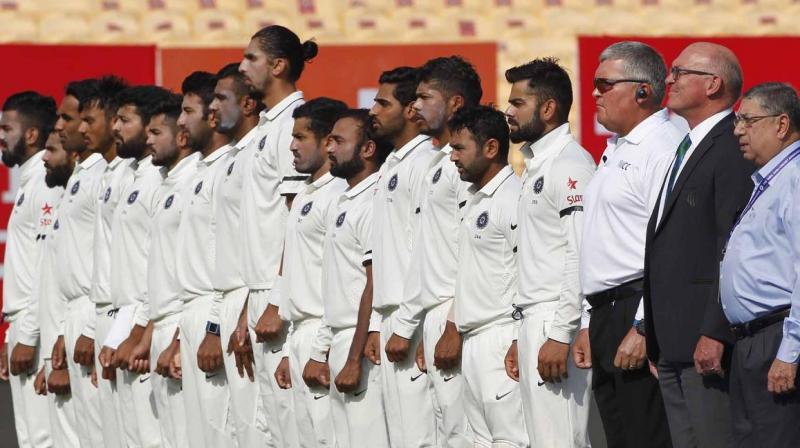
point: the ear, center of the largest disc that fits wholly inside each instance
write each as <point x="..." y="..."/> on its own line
<point x="455" y="103"/>
<point x="279" y="67"/>
<point x="369" y="150"/>
<point x="784" y="127"/>
<point x="548" y="110"/>
<point x="408" y="111"/>
<point x="31" y="136"/>
<point x="491" y="149"/>
<point x="714" y="87"/>
<point x="248" y="105"/>
<point x="74" y="158"/>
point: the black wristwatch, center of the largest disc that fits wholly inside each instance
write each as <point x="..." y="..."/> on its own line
<point x="212" y="328"/>
<point x="638" y="324"/>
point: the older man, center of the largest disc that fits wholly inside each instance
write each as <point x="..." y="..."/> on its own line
<point x="759" y="273"/>
<point x="706" y="184"/>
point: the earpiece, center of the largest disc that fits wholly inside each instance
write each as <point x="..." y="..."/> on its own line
<point x="641" y="93"/>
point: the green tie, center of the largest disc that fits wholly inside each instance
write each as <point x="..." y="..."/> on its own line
<point x="682" y="148"/>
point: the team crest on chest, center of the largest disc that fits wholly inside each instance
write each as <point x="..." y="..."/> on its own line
<point x="198" y="187"/>
<point x="538" y="185"/>
<point x="230" y="168"/>
<point x="75" y="188"/>
<point x="306" y="208"/>
<point x="168" y="202"/>
<point x="437" y="175"/>
<point x="483" y="220"/>
<point x="393" y="182"/>
<point x="132" y="197"/>
<point x="262" y="143"/>
<point x="107" y="196"/>
<point x="340" y="219"/>
<point x="21" y="199"/>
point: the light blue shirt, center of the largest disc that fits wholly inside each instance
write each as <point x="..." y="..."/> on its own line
<point x="760" y="272"/>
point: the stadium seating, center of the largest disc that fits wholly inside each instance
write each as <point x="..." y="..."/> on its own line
<point x="114" y="26"/>
<point x="17" y="28"/>
<point x="60" y="27"/>
<point x="166" y="27"/>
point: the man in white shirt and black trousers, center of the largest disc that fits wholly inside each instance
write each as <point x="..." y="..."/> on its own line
<point x="629" y="87"/>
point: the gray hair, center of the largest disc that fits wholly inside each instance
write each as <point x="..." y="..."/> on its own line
<point x="641" y="61"/>
<point x="728" y="68"/>
<point x="777" y="98"/>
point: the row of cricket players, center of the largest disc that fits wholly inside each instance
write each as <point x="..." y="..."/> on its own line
<point x="237" y="266"/>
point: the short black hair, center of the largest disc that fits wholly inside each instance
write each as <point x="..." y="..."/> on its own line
<point x="239" y="84"/>
<point x="484" y="123"/>
<point x="405" y="83"/>
<point x="548" y="80"/>
<point x="322" y="113"/>
<point x="169" y="105"/>
<point x="281" y="42"/>
<point x="82" y="90"/>
<point x="35" y="111"/>
<point x="202" y="84"/>
<point x="104" y="94"/>
<point x="453" y="75"/>
<point x="145" y="98"/>
<point x="383" y="147"/>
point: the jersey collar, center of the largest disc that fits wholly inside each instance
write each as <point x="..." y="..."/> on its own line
<point x="498" y="179"/>
<point x="29" y="168"/>
<point x="278" y="109"/>
<point x="319" y="183"/>
<point x="642" y="129"/>
<point x="218" y="153"/>
<point x="546" y="145"/>
<point x="184" y="163"/>
<point x="90" y="161"/>
<point x="401" y="153"/>
<point x="362" y="186"/>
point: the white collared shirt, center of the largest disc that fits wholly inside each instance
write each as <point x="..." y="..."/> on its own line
<point x="228" y="270"/>
<point x="557" y="171"/>
<point x="162" y="282"/>
<point x="435" y="252"/>
<point x="76" y="216"/>
<point x="31" y="217"/>
<point x="268" y="178"/>
<point x="196" y="247"/>
<point x="399" y="190"/>
<point x="487" y="251"/>
<point x="619" y="200"/>
<point x="301" y="290"/>
<point x="130" y="240"/>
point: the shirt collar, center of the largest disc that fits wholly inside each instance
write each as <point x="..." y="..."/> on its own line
<point x="29" y="168"/>
<point x="401" y="153"/>
<point x="495" y="183"/>
<point x="251" y="134"/>
<point x="701" y="130"/>
<point x="218" y="153"/>
<point x="319" y="183"/>
<point x="184" y="163"/>
<point x="276" y="110"/>
<point x="90" y="161"/>
<point x="542" y="146"/>
<point x="446" y="149"/>
<point x="762" y="172"/>
<point x="114" y="163"/>
<point x="362" y="186"/>
<point x="144" y="164"/>
<point x="641" y="130"/>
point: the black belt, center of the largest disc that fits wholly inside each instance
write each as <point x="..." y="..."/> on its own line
<point x="748" y="329"/>
<point x="623" y="291"/>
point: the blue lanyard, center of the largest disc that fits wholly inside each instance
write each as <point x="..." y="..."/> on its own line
<point x="764" y="184"/>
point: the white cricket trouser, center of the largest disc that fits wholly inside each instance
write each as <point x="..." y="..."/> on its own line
<point x="448" y="386"/>
<point x="277" y="403"/>
<point x="492" y="400"/>
<point x="110" y="408"/>
<point x="167" y="391"/>
<point x="358" y="416"/>
<point x="30" y="410"/>
<point x="556" y="414"/>
<point x="312" y="407"/>
<point x="407" y="396"/>
<point x="247" y="415"/>
<point x="62" y="415"/>
<point x="205" y="396"/>
<point x="85" y="395"/>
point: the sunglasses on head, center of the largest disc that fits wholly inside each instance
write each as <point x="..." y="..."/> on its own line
<point x="603" y="85"/>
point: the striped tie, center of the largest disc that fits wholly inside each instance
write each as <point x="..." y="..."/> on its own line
<point x="679" y="154"/>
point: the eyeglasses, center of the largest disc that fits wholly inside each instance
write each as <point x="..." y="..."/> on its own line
<point x="748" y="121"/>
<point x="603" y="85"/>
<point x="677" y="72"/>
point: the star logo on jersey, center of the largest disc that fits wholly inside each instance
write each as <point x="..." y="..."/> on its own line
<point x="132" y="197"/>
<point x="340" y="219"/>
<point x="198" y="187"/>
<point x="393" y="182"/>
<point x="55" y="225"/>
<point x="168" y="202"/>
<point x="306" y="208"/>
<point x="21" y="199"/>
<point x="107" y="196"/>
<point x="47" y="209"/>
<point x="262" y="143"/>
<point x="437" y="175"/>
<point x="572" y="184"/>
<point x="538" y="185"/>
<point x="483" y="220"/>
<point x="230" y="168"/>
<point x="75" y="188"/>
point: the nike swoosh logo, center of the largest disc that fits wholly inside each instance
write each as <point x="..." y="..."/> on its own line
<point x="359" y="393"/>
<point x="448" y="379"/>
<point x="513" y="227"/>
<point x="317" y="397"/>
<point x="414" y="378"/>
<point x="540" y="383"/>
<point x="500" y="397"/>
<point x="212" y="375"/>
<point x="143" y="379"/>
<point x="276" y="351"/>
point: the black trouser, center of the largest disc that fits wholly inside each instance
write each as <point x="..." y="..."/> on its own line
<point x="760" y="418"/>
<point x="629" y="401"/>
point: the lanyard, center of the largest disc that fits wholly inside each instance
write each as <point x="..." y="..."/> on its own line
<point x="764" y="184"/>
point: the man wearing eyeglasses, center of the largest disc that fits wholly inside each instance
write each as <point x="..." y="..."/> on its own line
<point x="629" y="88"/>
<point x="759" y="273"/>
<point x="706" y="185"/>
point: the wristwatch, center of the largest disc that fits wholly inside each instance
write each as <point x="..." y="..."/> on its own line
<point x="212" y="328"/>
<point x="638" y="324"/>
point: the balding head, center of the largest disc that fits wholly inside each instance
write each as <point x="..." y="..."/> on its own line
<point x="722" y="62"/>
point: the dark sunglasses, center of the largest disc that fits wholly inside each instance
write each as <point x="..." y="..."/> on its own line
<point x="603" y="85"/>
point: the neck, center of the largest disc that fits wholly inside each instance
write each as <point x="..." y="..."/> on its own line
<point x="363" y="174"/>
<point x="443" y="138"/>
<point x="182" y="154"/>
<point x="490" y="173"/>
<point x="217" y="141"/>
<point x="406" y="135"/>
<point x="696" y="116"/>
<point x="244" y="127"/>
<point x="30" y="151"/>
<point x="321" y="170"/>
<point x="638" y="117"/>
<point x="277" y="92"/>
<point x="83" y="155"/>
<point x="109" y="153"/>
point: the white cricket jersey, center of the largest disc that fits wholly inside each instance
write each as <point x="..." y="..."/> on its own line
<point x="31" y="217"/>
<point x="228" y="270"/>
<point x="346" y="252"/>
<point x="301" y="290"/>
<point x="130" y="242"/>
<point x="270" y="176"/>
<point x="486" y="284"/>
<point x="399" y="189"/>
<point x="118" y="175"/>
<point x="162" y="283"/>
<point x="52" y="303"/>
<point x="557" y="170"/>
<point x="435" y="251"/>
<point x="196" y="247"/>
<point x="76" y="217"/>
<point x="619" y="200"/>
